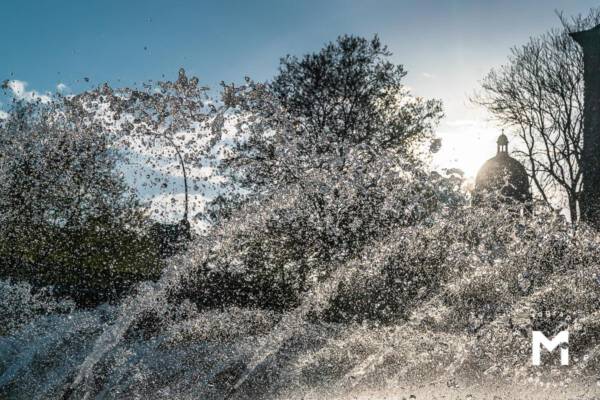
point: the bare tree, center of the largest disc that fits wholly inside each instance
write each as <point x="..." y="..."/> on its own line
<point x="539" y="93"/>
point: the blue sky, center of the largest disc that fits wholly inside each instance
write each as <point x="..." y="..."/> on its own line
<point x="446" y="46"/>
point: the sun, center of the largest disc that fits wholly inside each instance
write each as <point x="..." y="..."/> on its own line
<point x="466" y="151"/>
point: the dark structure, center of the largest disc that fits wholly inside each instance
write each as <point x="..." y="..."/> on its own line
<point x="590" y="159"/>
<point x="171" y="238"/>
<point x="502" y="178"/>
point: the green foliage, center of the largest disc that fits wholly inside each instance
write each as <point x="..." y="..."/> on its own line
<point x="68" y="218"/>
<point x="325" y="156"/>
<point x="92" y="263"/>
<point x="347" y="260"/>
<point x="350" y="93"/>
<point x="325" y="112"/>
<point x="277" y="250"/>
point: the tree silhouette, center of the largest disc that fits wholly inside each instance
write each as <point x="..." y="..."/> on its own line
<point x="539" y="93"/>
<point x="323" y="109"/>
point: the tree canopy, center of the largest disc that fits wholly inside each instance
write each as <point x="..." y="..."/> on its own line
<point x="346" y="101"/>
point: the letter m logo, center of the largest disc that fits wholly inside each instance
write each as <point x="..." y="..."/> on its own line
<point x="539" y="340"/>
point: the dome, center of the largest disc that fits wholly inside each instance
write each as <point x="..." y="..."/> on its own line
<point x="502" y="140"/>
<point x="502" y="174"/>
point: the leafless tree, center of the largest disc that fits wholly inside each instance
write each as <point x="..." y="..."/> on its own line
<point x="539" y="93"/>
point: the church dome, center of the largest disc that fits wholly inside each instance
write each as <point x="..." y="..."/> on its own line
<point x="504" y="175"/>
<point x="502" y="140"/>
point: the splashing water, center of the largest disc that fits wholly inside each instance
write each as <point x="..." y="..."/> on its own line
<point x="234" y="353"/>
<point x="149" y="298"/>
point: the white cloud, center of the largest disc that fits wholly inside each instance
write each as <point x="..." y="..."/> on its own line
<point x="61" y="87"/>
<point x="20" y="92"/>
<point x="427" y="75"/>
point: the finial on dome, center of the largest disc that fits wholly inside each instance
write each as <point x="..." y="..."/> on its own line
<point x="502" y="143"/>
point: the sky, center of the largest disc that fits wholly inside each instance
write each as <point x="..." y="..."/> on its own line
<point x="447" y="47"/>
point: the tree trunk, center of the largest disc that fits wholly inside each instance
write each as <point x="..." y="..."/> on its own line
<point x="573" y="213"/>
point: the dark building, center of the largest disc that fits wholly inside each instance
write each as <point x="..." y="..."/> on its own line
<point x="590" y="158"/>
<point x="502" y="178"/>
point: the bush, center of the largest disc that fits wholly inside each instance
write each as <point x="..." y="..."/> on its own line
<point x="91" y="264"/>
<point x="273" y="251"/>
